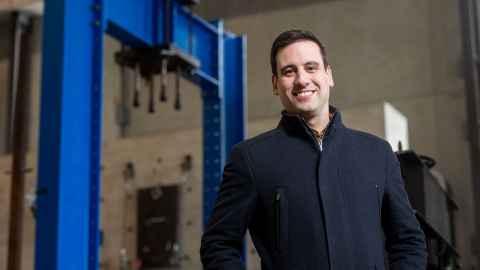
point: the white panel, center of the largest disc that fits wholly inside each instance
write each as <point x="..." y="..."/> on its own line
<point x="396" y="127"/>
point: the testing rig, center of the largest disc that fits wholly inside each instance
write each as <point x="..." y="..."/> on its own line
<point x="158" y="36"/>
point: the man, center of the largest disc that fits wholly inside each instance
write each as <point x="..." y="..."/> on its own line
<point x="314" y="194"/>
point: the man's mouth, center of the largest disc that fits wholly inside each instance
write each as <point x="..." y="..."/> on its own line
<point x="304" y="93"/>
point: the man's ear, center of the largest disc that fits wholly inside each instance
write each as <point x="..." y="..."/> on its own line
<point x="331" y="82"/>
<point x="274" y="84"/>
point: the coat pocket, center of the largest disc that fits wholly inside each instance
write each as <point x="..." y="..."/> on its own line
<point x="281" y="219"/>
<point x="379" y="267"/>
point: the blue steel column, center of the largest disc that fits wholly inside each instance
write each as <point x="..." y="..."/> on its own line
<point x="214" y="135"/>
<point x="235" y="96"/>
<point x="224" y="114"/>
<point x="96" y="135"/>
<point x="70" y="138"/>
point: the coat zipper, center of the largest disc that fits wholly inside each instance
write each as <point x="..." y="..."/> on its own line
<point x="319" y="143"/>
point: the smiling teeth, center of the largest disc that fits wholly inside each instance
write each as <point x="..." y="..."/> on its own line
<point x="304" y="93"/>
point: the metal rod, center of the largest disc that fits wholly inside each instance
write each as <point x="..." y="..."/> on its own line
<point x="138" y="86"/>
<point x="151" y="85"/>
<point x="163" y="80"/>
<point x="178" y="104"/>
<point x="124" y="111"/>
<point x="13" y="80"/>
<point x="20" y="139"/>
<point x="469" y="36"/>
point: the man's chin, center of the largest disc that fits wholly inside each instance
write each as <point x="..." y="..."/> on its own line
<point x="304" y="110"/>
<point x="298" y="111"/>
<point x="308" y="112"/>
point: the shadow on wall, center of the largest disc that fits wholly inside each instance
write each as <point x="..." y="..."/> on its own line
<point x="212" y="9"/>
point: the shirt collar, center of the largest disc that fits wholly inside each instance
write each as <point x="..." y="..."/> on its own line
<point x="295" y="123"/>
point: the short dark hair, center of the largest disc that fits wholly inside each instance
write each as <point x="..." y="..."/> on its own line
<point x="291" y="36"/>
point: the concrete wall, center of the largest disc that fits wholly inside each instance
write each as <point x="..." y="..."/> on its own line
<point x="405" y="52"/>
<point x="7" y="5"/>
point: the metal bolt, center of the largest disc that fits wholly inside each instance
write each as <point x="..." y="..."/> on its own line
<point x="97" y="7"/>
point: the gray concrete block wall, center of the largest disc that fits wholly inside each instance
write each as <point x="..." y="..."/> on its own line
<point x="157" y="161"/>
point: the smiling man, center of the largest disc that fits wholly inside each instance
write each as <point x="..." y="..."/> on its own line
<point x="314" y="194"/>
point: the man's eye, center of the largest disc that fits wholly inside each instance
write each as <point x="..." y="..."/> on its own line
<point x="311" y="68"/>
<point x="288" y="72"/>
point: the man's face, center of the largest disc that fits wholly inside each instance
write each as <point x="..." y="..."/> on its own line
<point x="302" y="81"/>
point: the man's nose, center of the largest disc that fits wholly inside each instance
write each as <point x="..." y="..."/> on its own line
<point x="302" y="79"/>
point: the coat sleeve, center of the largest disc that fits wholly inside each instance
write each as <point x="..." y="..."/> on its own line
<point x="404" y="238"/>
<point x="223" y="239"/>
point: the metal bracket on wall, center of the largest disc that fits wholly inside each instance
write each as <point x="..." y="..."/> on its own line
<point x="129" y="171"/>
<point x="151" y="61"/>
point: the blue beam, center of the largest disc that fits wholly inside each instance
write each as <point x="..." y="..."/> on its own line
<point x="69" y="150"/>
<point x="214" y="133"/>
<point x="224" y="114"/>
<point x="142" y="24"/>
<point x="132" y="21"/>
<point x="235" y="70"/>
<point x="197" y="37"/>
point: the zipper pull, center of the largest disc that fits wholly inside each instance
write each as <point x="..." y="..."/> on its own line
<point x="277" y="196"/>
<point x="320" y="143"/>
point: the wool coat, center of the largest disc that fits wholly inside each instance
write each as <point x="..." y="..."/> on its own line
<point x="337" y="204"/>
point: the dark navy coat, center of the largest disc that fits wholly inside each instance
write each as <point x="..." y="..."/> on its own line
<point x="345" y="200"/>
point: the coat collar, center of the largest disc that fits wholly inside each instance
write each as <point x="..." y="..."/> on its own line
<point x="296" y="124"/>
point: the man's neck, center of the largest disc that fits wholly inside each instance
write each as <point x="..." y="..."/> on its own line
<point x="318" y="122"/>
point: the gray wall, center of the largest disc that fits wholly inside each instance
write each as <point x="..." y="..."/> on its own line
<point x="405" y="52"/>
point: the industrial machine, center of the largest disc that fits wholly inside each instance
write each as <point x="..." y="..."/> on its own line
<point x="435" y="209"/>
<point x="158" y="36"/>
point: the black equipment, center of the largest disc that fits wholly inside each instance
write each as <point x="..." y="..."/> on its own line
<point x="435" y="209"/>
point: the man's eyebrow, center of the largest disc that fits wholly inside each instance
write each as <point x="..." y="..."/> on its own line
<point x="312" y="63"/>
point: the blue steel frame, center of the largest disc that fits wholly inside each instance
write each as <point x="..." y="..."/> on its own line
<point x="67" y="232"/>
